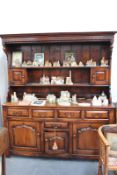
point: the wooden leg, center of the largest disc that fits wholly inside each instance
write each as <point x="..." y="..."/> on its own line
<point x="105" y="171"/>
<point x="100" y="168"/>
<point x="3" y="165"/>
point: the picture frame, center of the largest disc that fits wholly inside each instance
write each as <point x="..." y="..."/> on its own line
<point x="39" y="58"/>
<point x="69" y="56"/>
<point x="17" y="59"/>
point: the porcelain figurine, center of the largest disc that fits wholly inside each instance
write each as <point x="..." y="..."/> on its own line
<point x="29" y="63"/>
<point x="74" y="99"/>
<point x="81" y="64"/>
<point x="35" y="63"/>
<point x="105" y="102"/>
<point x="64" y="98"/>
<point x="14" y="97"/>
<point x="56" y="64"/>
<point x="104" y="62"/>
<point x="68" y="80"/>
<point x="44" y="80"/>
<point x="90" y="63"/>
<point x="96" y="101"/>
<point x="24" y="64"/>
<point x="74" y="63"/>
<point x="48" y="64"/>
<point x="66" y="63"/>
<point x="51" y="98"/>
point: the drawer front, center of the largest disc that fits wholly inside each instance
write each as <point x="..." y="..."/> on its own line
<point x="42" y="113"/>
<point x="18" y="112"/>
<point x="97" y="114"/>
<point x="56" y="125"/>
<point x="69" y="114"/>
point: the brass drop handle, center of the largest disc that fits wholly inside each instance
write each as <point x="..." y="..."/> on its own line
<point x="38" y="134"/>
<point x="46" y="140"/>
<point x="74" y="135"/>
<point x="93" y="76"/>
<point x="22" y="76"/>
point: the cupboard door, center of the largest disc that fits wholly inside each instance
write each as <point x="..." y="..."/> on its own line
<point x="56" y="143"/>
<point x="100" y="76"/>
<point x="85" y="139"/>
<point x="24" y="135"/>
<point x="18" y="76"/>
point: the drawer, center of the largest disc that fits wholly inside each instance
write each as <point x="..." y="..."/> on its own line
<point x="56" y="125"/>
<point x="43" y="113"/>
<point x="18" y="112"/>
<point x="69" y="114"/>
<point x="97" y="114"/>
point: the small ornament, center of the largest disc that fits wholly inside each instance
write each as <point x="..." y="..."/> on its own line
<point x="69" y="81"/>
<point x="56" y="64"/>
<point x="90" y="63"/>
<point x="44" y="80"/>
<point x="14" y="97"/>
<point x="104" y="62"/>
<point x="81" y="64"/>
<point x="24" y="64"/>
<point x="74" y="99"/>
<point x="105" y="102"/>
<point x="35" y="63"/>
<point x="96" y="101"/>
<point x="48" y="64"/>
<point x="29" y="63"/>
<point x="74" y="63"/>
<point x="65" y="63"/>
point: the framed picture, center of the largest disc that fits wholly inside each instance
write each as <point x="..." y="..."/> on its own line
<point x="16" y="59"/>
<point x="39" y="58"/>
<point x="70" y="56"/>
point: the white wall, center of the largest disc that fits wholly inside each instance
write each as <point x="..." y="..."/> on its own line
<point x="35" y="16"/>
<point x="28" y="16"/>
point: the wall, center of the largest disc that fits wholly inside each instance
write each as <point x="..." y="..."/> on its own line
<point x="57" y="15"/>
<point x="37" y="16"/>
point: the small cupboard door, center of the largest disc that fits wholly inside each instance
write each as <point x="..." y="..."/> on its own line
<point x="18" y="76"/>
<point x="100" y="76"/>
<point x="85" y="139"/>
<point x="25" y="135"/>
<point x="56" y="143"/>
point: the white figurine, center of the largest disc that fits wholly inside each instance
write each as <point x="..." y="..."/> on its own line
<point x="81" y="64"/>
<point x="74" y="99"/>
<point x="105" y="102"/>
<point x="104" y="62"/>
<point x="69" y="81"/>
<point x="96" y="101"/>
<point x="14" y="97"/>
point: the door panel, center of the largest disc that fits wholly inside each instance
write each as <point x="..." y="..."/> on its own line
<point x="24" y="134"/>
<point x="56" y="143"/>
<point x="85" y="139"/>
<point x="100" y="76"/>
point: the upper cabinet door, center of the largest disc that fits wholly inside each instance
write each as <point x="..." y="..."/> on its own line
<point x="100" y="76"/>
<point x="18" y="76"/>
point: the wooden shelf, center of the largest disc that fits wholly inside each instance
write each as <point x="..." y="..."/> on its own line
<point x="60" y="85"/>
<point x="60" y="67"/>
